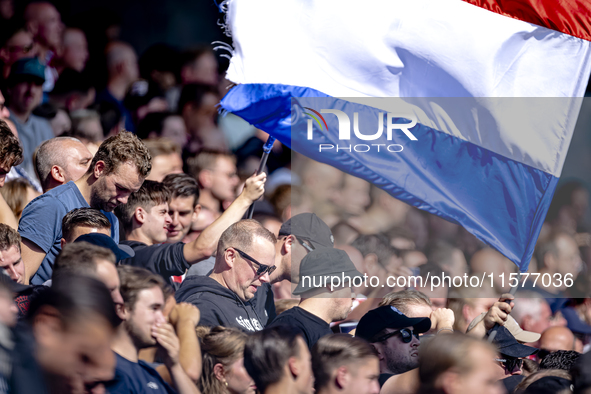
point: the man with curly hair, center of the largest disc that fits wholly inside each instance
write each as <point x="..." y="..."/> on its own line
<point x="118" y="169"/>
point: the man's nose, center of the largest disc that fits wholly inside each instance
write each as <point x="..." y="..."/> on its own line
<point x="123" y="199"/>
<point x="167" y="219"/>
<point x="175" y="219"/>
<point x="265" y="278"/>
<point x="12" y="273"/>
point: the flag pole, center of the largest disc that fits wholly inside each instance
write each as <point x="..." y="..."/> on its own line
<point x="266" y="150"/>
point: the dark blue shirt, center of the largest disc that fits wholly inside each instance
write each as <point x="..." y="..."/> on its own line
<point x="137" y="378"/>
<point x="41" y="223"/>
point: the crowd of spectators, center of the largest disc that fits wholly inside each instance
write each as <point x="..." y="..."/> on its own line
<point x="128" y="264"/>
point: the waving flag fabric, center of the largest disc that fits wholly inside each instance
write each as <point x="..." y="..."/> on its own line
<point x="495" y="89"/>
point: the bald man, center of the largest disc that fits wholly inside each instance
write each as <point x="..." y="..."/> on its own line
<point x="557" y="338"/>
<point x="123" y="70"/>
<point x="61" y="160"/>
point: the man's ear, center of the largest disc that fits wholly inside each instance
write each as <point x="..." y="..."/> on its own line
<point x="205" y="178"/>
<point x="230" y="257"/>
<point x="378" y="350"/>
<point x="47" y="325"/>
<point x="342" y="377"/>
<point x="527" y="322"/>
<point x="140" y="215"/>
<point x="449" y="381"/>
<point x="99" y="169"/>
<point x="294" y="367"/>
<point x="62" y="242"/>
<point x="122" y="311"/>
<point x="32" y="26"/>
<point x="57" y="173"/>
<point x="371" y="264"/>
<point x="196" y="212"/>
<point x="286" y="247"/>
<point x="219" y="372"/>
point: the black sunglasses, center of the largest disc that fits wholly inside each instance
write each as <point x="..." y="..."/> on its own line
<point x="262" y="267"/>
<point x="406" y="335"/>
<point x="509" y="363"/>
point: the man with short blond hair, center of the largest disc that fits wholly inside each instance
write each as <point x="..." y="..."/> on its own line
<point x="119" y="168"/>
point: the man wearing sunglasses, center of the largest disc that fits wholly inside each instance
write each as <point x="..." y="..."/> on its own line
<point x="245" y="258"/>
<point x="510" y="359"/>
<point x="395" y="337"/>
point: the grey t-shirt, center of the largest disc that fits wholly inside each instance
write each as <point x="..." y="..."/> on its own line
<point x="31" y="134"/>
<point x="41" y="223"/>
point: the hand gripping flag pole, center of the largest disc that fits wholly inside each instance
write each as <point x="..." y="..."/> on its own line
<point x="266" y="150"/>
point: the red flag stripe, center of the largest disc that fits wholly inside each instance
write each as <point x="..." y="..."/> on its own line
<point x="572" y="17"/>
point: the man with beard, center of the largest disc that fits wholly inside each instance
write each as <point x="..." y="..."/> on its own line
<point x="118" y="169"/>
<point x="395" y="337"/>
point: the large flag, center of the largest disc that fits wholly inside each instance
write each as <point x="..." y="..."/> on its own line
<point x="489" y="92"/>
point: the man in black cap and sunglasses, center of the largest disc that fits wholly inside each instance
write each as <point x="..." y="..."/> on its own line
<point x="298" y="236"/>
<point x="395" y="337"/>
<point x="511" y="355"/>
<point x="245" y="258"/>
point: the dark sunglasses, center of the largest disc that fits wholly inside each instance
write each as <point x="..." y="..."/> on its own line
<point x="509" y="363"/>
<point x="262" y="267"/>
<point x="406" y="335"/>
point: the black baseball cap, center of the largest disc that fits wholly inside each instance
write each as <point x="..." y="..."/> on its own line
<point x="310" y="228"/>
<point x="322" y="262"/>
<point x="121" y="251"/>
<point x="387" y="316"/>
<point x="508" y="345"/>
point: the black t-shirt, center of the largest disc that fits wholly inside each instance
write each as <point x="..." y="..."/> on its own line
<point x="136" y="378"/>
<point x="309" y="325"/>
<point x="383" y="378"/>
<point x="164" y="259"/>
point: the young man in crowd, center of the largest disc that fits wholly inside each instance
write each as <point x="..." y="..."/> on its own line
<point x="216" y="174"/>
<point x="320" y="304"/>
<point x="118" y="169"/>
<point x="146" y="219"/>
<point x="343" y="364"/>
<point x="80" y="221"/>
<point x="229" y="295"/>
<point x="183" y="206"/>
<point x="144" y="325"/>
<point x="85" y="258"/>
<point x="279" y="361"/>
<point x="395" y="338"/>
<point x="10" y="254"/>
<point x="65" y="347"/>
<point x="61" y="160"/>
